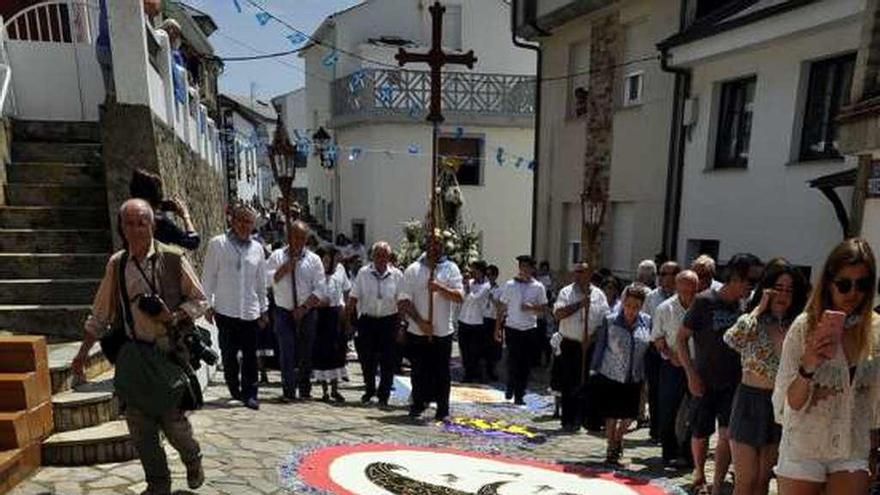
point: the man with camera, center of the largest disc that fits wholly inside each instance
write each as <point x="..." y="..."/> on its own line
<point x="143" y="313"/>
<point x="234" y="278"/>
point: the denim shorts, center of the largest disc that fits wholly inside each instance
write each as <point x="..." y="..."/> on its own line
<point x="816" y="470"/>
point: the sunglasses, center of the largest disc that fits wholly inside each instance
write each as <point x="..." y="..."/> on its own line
<point x="668" y="274"/>
<point x="845" y="285"/>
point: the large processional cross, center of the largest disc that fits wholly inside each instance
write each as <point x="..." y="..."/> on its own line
<point x="436" y="59"/>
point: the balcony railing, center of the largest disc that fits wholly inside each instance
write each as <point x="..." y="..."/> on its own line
<point x="402" y="93"/>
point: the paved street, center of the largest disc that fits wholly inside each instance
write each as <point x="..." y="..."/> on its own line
<point x="244" y="451"/>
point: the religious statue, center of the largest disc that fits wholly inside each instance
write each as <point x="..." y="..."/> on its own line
<point x="450" y="197"/>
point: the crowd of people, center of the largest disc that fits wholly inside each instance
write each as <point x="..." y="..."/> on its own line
<point x="786" y="375"/>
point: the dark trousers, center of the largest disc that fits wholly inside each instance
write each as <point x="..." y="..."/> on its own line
<point x="146" y="435"/>
<point x="472" y="343"/>
<point x="376" y="348"/>
<point x="571" y="374"/>
<point x="494" y="349"/>
<point x="653" y="361"/>
<point x="430" y="371"/>
<point x="541" y="351"/>
<point x="520" y="351"/>
<point x="236" y="336"/>
<point x="673" y="386"/>
<point x="287" y="334"/>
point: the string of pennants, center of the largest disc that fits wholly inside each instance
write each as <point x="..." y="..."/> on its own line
<point x="357" y="82"/>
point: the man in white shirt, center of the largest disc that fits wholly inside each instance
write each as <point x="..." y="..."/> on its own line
<point x="471" y="331"/>
<point x="295" y="317"/>
<point x="570" y="309"/>
<point x="234" y="279"/>
<point x="429" y="338"/>
<point x="494" y="341"/>
<point x="665" y="289"/>
<point x="668" y="318"/>
<point x="522" y="300"/>
<point x="373" y="304"/>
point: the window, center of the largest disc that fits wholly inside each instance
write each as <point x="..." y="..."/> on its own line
<point x="632" y="89"/>
<point x="735" y="123"/>
<point x="470" y="151"/>
<point x="828" y="90"/>
<point x="579" y="80"/>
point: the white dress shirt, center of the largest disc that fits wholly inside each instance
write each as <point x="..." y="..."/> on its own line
<point x="234" y="277"/>
<point x="474" y="304"/>
<point x="668" y="318"/>
<point x="654" y="298"/>
<point x="514" y="294"/>
<point x="333" y="288"/>
<point x="376" y="293"/>
<point x="415" y="289"/>
<point x="573" y="327"/>
<point x="309" y="272"/>
<point x="491" y="311"/>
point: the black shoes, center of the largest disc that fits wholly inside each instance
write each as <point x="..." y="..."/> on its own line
<point x="366" y="398"/>
<point x="415" y="411"/>
<point x="252" y="404"/>
<point x="336" y="396"/>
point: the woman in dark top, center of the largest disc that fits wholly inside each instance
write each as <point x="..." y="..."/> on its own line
<point x="148" y="186"/>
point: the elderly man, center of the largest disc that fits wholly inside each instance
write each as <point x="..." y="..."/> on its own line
<point x="296" y="275"/>
<point x="373" y="301"/>
<point x="576" y="302"/>
<point x="665" y="289"/>
<point x="430" y="335"/>
<point x="668" y="318"/>
<point x="646" y="273"/>
<point x="234" y="278"/>
<point x="161" y="296"/>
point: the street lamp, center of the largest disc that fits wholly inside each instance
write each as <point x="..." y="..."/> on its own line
<point x="324" y="147"/>
<point x="594" y="202"/>
<point x="281" y="153"/>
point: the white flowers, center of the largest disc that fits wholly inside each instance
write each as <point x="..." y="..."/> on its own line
<point x="461" y="247"/>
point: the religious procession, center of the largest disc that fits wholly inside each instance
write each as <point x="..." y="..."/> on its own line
<point x="439" y="247"/>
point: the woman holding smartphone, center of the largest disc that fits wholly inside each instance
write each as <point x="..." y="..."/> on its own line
<point x="757" y="337"/>
<point x="827" y="386"/>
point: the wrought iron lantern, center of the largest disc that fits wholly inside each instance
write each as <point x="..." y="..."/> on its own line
<point x="281" y="158"/>
<point x="324" y="147"/>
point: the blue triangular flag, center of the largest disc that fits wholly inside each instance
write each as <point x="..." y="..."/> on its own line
<point x="413" y="149"/>
<point x="237" y="6"/>
<point x="296" y="38"/>
<point x="532" y="165"/>
<point x="330" y="59"/>
<point x="263" y="18"/>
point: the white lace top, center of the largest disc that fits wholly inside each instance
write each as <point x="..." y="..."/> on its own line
<point x="839" y="415"/>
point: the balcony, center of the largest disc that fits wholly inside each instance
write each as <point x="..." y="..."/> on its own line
<point x="398" y="96"/>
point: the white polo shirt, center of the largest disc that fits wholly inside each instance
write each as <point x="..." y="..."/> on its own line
<point x="376" y="293"/>
<point x="309" y="277"/>
<point x="514" y="294"/>
<point x="234" y="277"/>
<point x="573" y="327"/>
<point x="334" y="287"/>
<point x="491" y="311"/>
<point x="474" y="305"/>
<point x="668" y="319"/>
<point x="415" y="289"/>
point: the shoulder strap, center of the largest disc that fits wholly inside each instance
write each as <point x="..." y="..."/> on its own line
<point x="124" y="302"/>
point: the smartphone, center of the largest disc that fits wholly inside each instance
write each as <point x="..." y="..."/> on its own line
<point x="832" y="324"/>
<point x="167" y="205"/>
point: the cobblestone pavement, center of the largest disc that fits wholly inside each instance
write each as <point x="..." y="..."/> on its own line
<point x="243" y="449"/>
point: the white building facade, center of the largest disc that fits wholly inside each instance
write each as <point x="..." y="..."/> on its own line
<point x="291" y="108"/>
<point x="767" y="82"/>
<point x="375" y="113"/>
<point x="605" y="99"/>
<point x="248" y="125"/>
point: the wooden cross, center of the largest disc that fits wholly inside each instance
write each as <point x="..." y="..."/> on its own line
<point x="436" y="58"/>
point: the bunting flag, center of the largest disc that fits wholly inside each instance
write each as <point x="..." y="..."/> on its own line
<point x="385" y="93"/>
<point x="532" y="165"/>
<point x="296" y="38"/>
<point x="330" y="59"/>
<point x="356" y="81"/>
<point x="237" y="6"/>
<point x="414" y="149"/>
<point x="519" y="162"/>
<point x="263" y="18"/>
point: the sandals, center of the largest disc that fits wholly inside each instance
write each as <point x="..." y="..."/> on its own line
<point x="700" y="488"/>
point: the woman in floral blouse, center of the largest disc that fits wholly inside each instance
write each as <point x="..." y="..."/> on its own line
<point x="757" y="337"/>
<point x="618" y="367"/>
<point x="827" y="386"/>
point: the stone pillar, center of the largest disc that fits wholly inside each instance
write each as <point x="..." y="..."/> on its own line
<point x="128" y="41"/>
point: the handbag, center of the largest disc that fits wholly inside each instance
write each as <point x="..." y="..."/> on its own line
<point x="148" y="379"/>
<point x="112" y="343"/>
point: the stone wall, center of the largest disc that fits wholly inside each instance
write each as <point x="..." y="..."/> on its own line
<point x="133" y="138"/>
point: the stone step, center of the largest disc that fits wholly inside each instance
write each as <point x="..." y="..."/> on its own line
<point x="102" y="444"/>
<point x="72" y="174"/>
<point x="43" y="265"/>
<point x="17" y="464"/>
<point x="53" y="321"/>
<point x="51" y="217"/>
<point x="55" y="195"/>
<point x="48" y="291"/>
<point x="37" y="151"/>
<point x="56" y="131"/>
<point x="20" y="428"/>
<point x="91" y="241"/>
<point x="22" y="391"/>
<point x="60" y="357"/>
<point x="88" y="404"/>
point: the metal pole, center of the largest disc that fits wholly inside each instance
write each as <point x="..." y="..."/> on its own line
<point x="432" y="256"/>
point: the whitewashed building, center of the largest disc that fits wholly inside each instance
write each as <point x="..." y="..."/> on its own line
<point x="247" y="125"/>
<point x="375" y="113"/>
<point x="291" y="108"/>
<point x="767" y="80"/>
<point x="606" y="100"/>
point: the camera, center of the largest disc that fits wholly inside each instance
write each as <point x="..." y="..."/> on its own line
<point x="150" y="304"/>
<point x="198" y="342"/>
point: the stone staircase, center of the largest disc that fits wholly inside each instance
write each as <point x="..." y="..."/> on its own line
<point x="54" y="228"/>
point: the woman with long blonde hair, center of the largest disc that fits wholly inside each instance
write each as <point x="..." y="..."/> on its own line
<point x="826" y="389"/>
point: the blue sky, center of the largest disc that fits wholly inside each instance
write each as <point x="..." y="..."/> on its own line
<point x="241" y="35"/>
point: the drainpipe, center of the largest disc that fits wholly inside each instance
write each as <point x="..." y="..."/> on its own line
<point x="677" y="141"/>
<point x="537" y="145"/>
